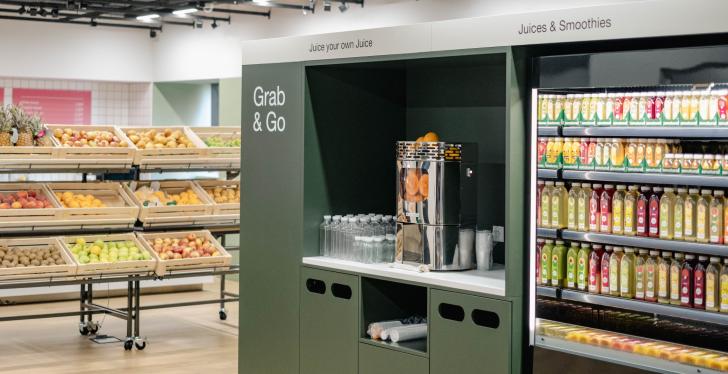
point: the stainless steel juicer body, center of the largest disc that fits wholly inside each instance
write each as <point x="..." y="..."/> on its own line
<point x="436" y="204"/>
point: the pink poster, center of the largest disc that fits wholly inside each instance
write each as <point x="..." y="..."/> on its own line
<point x="58" y="107"/>
<point x="2" y="96"/>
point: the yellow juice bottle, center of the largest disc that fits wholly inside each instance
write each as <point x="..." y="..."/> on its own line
<point x="550" y="106"/>
<point x="631" y="152"/>
<point x="702" y="218"/>
<point x="558" y="264"/>
<point x="593" y="104"/>
<point x="641" y="151"/>
<point x="678" y="215"/>
<point x="724" y="287"/>
<point x="712" y="285"/>
<point x="685" y="105"/>
<point x="558" y="105"/>
<point x="716" y="218"/>
<point x="575" y="149"/>
<point x="576" y="107"/>
<point x="667" y="226"/>
<point x="559" y="201"/>
<point x="675" y="270"/>
<point x="546" y="204"/>
<point x="566" y="152"/>
<point x="542" y="107"/>
<point x="663" y="278"/>
<point x="572" y="206"/>
<point x="694" y="105"/>
<point x="616" y="152"/>
<point x="586" y="107"/>
<point x="618" y="210"/>
<point x="568" y="107"/>
<point x="650" y="152"/>
<point x="630" y="211"/>
<point x="599" y="153"/>
<point x="690" y="215"/>
<point x="582" y="207"/>
<point x="615" y="261"/>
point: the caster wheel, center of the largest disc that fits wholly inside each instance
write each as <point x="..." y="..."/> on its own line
<point x="140" y="346"/>
<point x="128" y="345"/>
<point x="93" y="328"/>
<point x="83" y="331"/>
<point x="223" y="315"/>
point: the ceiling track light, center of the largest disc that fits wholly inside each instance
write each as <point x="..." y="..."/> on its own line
<point x="184" y="12"/>
<point x="327" y="5"/>
<point x="22" y="10"/>
<point x="152" y="33"/>
<point x="343" y="7"/>
<point x="42" y="12"/>
<point x="54" y="12"/>
<point x="147" y="17"/>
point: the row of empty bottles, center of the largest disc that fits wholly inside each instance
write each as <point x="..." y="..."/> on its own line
<point x="367" y="238"/>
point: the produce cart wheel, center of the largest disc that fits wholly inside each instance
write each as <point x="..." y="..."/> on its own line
<point x="93" y="327"/>
<point x="128" y="345"/>
<point x="223" y="315"/>
<point x="140" y="346"/>
<point x="82" y="329"/>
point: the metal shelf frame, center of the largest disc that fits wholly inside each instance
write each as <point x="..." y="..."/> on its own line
<point x="549" y="173"/>
<point x="644" y="242"/>
<point x="549" y="130"/>
<point x="651" y="178"/>
<point x="547" y="233"/>
<point x="685" y="132"/>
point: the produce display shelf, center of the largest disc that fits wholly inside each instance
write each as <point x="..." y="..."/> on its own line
<point x="643" y="242"/>
<point x="619" y="357"/>
<point x="548" y="173"/>
<point x="547" y="233"/>
<point x="414" y="347"/>
<point x="666" y="310"/>
<point x="548" y="130"/>
<point x="652" y="178"/>
<point x="704" y="132"/>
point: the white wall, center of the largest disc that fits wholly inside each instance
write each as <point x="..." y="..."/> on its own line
<point x="40" y="50"/>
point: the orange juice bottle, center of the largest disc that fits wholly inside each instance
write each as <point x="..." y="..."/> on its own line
<point x="630" y="211"/>
<point x="660" y="151"/>
<point x="650" y="152"/>
<point x="694" y="104"/>
<point x="631" y="153"/>
<point x="641" y="151"/>
<point x="685" y="105"/>
<point x="617" y="152"/>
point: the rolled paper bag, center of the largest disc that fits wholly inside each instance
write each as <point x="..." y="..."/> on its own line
<point x="407" y="332"/>
<point x="375" y="329"/>
<point x="385" y="334"/>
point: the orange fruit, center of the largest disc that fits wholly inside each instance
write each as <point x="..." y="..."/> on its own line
<point x="411" y="183"/>
<point x="410" y="197"/>
<point x="420" y="139"/>
<point x="431" y="137"/>
<point x="424" y="185"/>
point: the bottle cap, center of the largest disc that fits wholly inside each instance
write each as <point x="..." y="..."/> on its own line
<point x="654" y="253"/>
<point x="549" y="241"/>
<point x="689" y="256"/>
<point x="627" y="249"/>
<point x="585" y="245"/>
<point x="706" y="192"/>
<point x="679" y="255"/>
<point x="608" y="186"/>
<point x="702" y="258"/>
<point x="597" y="246"/>
<point x="559" y="183"/>
<point x="714" y="259"/>
<point x="540" y="240"/>
<point x="693" y="190"/>
<point x="586" y="185"/>
<point x="549" y="183"/>
<point x="669" y="189"/>
<point x="327" y="217"/>
<point x="644" y="188"/>
<point x="560" y="242"/>
<point x="657" y="189"/>
<point x="718" y="193"/>
<point x="621" y="187"/>
<point x="643" y="251"/>
<point x="597" y="185"/>
<point x="666" y="254"/>
<point x="618" y="249"/>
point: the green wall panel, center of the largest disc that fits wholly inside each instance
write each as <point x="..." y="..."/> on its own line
<point x="187" y="104"/>
<point x="230" y="101"/>
<point x="271" y="224"/>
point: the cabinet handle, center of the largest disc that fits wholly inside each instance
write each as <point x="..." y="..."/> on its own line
<point x="341" y="291"/>
<point x="485" y="318"/>
<point x="451" y="312"/>
<point x="315" y="286"/>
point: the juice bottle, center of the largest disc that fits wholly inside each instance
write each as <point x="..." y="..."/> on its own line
<point x="685" y="105"/>
<point x="634" y="106"/>
<point x="650" y="152"/>
<point x="550" y="101"/>
<point x="667" y="106"/>
<point x="663" y="278"/>
<point x="599" y="153"/>
<point x="605" y="209"/>
<point x="699" y="282"/>
<point x="539" y="247"/>
<point x="675" y="268"/>
<point x="571" y="268"/>
<point x="575" y="149"/>
<point x="690" y="215"/>
<point x="702" y="219"/>
<point x="569" y="107"/>
<point x="724" y="287"/>
<point x="627" y="278"/>
<point x="631" y="152"/>
<point x="704" y="105"/>
<point x="558" y="106"/>
<point x="592" y="153"/>
<point x="542" y="145"/>
<point x="640" y="274"/>
<point x="643" y="204"/>
<point x="654" y="213"/>
<point x="616" y="156"/>
<point x="558" y="264"/>
<point x="641" y="150"/>
<point x="594" y="200"/>
<point x="630" y="211"/>
<point x="659" y="105"/>
<point x="626" y="103"/>
<point x="642" y="105"/>
<point x="601" y="109"/>
<point x="667" y="201"/>
<point x="594" y="281"/>
<point x="606" y="152"/>
<point x="686" y="281"/>
<point x="716" y="218"/>
<point x="584" y="151"/>
<point x="605" y="266"/>
<point x="586" y="107"/>
<point x="582" y="207"/>
<point x="652" y="277"/>
<point x="576" y="107"/>
<point x="678" y="215"/>
<point x="546" y="262"/>
<point x="559" y="203"/>
<point x="615" y="261"/>
<point x="543" y="110"/>
<point x="712" y="285"/>
<point x="546" y="204"/>
<point x="725" y="222"/>
<point x="618" y="210"/>
<point x="660" y="151"/>
<point x="677" y="105"/>
<point x="582" y="267"/>
<point x="609" y="106"/>
<point x="539" y="191"/>
<point x="593" y="105"/>
<point x="694" y="105"/>
<point x="556" y="150"/>
<point x="566" y="152"/>
<point x="572" y="206"/>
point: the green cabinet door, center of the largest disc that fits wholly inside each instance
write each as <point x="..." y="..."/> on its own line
<point x="329" y="321"/>
<point x="469" y="334"/>
<point x="381" y="360"/>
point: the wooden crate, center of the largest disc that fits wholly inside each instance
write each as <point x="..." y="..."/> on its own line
<point x="172" y="215"/>
<point x="11" y="219"/>
<point x="164" y="266"/>
<point x="169" y="158"/>
<point x="226" y="133"/>
<point x="122" y="267"/>
<point x="96" y="157"/>
<point x="120" y="210"/>
<point x="23" y="158"/>
<point x="221" y="208"/>
<point x="48" y="271"/>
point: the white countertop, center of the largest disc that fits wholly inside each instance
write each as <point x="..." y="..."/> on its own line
<point x="491" y="282"/>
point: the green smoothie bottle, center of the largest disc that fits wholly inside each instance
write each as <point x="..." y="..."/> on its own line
<point x="558" y="264"/>
<point x="572" y="206"/>
<point x="571" y="268"/>
<point x="546" y="204"/>
<point x="663" y="278"/>
<point x="627" y="276"/>
<point x="582" y="267"/>
<point x="677" y="214"/>
<point x="615" y="261"/>
<point x="546" y="262"/>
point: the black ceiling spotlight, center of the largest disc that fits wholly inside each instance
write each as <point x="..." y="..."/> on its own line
<point x="54" y="12"/>
<point x="327" y="5"/>
<point x="343" y="7"/>
<point x="42" y="12"/>
<point x="21" y="11"/>
<point x="152" y="33"/>
<point x="214" y="24"/>
<point x="33" y="11"/>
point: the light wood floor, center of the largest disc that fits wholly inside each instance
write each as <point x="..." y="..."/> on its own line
<point x="179" y="340"/>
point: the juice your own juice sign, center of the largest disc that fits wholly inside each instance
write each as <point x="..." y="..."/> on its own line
<point x="267" y="103"/>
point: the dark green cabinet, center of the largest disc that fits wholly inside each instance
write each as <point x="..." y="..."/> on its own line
<point x="380" y="360"/>
<point x="469" y="334"/>
<point x="329" y="322"/>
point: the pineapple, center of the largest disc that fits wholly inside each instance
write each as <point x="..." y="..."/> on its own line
<point x="36" y="128"/>
<point x="6" y="128"/>
<point x="25" y="130"/>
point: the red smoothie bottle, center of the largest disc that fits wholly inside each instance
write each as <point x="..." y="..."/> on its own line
<point x="699" y="283"/>
<point x="654" y="213"/>
<point x="605" y="209"/>
<point x="595" y="268"/>
<point x="643" y="203"/>
<point x="605" y="270"/>
<point x="686" y="281"/>
<point x="594" y="213"/>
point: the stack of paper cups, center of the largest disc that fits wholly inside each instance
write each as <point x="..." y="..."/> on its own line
<point x="484" y="249"/>
<point x="407" y="332"/>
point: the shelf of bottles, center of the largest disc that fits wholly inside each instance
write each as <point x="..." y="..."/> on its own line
<point x="366" y="238"/>
<point x="631" y="211"/>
